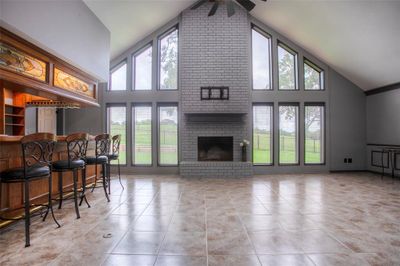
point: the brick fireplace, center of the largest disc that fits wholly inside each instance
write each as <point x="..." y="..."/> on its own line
<point x="215" y="53"/>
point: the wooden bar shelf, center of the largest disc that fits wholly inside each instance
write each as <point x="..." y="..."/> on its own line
<point x="14" y="106"/>
<point x="15" y="125"/>
<point x="14" y="115"/>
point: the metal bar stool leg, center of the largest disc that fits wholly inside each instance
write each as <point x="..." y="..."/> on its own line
<point x="75" y="173"/>
<point x="27" y="215"/>
<point x="95" y="178"/>
<point x="119" y="175"/>
<point x="83" y="196"/>
<point x="50" y="203"/>
<point x="60" y="189"/>
<point x="104" y="166"/>
<point x="109" y="177"/>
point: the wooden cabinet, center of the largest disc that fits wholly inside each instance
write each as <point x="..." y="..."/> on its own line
<point x="31" y="76"/>
<point x="30" y="69"/>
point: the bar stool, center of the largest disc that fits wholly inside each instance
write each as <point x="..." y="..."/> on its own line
<point x="37" y="153"/>
<point x="101" y="152"/>
<point x="76" y="150"/>
<point x="114" y="155"/>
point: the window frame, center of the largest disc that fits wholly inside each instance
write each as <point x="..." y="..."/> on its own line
<point x="159" y="38"/>
<point x="296" y="104"/>
<point x="321" y="72"/>
<point x="288" y="49"/>
<point x="316" y="104"/>
<point x="114" y="69"/>
<point x="270" y="104"/>
<point x="269" y="37"/>
<point x="110" y="105"/>
<point x="133" y="59"/>
<point x="167" y="104"/>
<point x="133" y="137"/>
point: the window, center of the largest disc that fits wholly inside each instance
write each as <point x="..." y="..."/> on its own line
<point x="287" y="68"/>
<point x="118" y="79"/>
<point x="288" y="134"/>
<point x="168" y="61"/>
<point x="142" y="148"/>
<point x="314" y="125"/>
<point x="313" y="77"/>
<point x="262" y="134"/>
<point x="168" y="135"/>
<point x="116" y="124"/>
<point x="142" y="69"/>
<point x="261" y="61"/>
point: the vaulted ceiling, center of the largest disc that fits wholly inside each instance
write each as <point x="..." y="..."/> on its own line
<point x="358" y="38"/>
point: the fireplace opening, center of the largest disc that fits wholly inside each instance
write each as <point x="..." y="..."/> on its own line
<point x="215" y="148"/>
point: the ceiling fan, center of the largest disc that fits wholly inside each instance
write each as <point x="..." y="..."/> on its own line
<point x="247" y="4"/>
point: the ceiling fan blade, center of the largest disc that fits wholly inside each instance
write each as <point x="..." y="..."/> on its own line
<point x="230" y="8"/>
<point x="247" y="4"/>
<point x="198" y="4"/>
<point x="213" y="9"/>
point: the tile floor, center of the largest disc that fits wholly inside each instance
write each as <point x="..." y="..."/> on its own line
<point x="330" y="219"/>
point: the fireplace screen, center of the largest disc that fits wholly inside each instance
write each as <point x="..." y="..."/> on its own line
<point x="215" y="148"/>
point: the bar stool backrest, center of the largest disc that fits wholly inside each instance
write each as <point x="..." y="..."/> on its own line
<point x="37" y="150"/>
<point x="102" y="145"/>
<point x="116" y="141"/>
<point x="77" y="146"/>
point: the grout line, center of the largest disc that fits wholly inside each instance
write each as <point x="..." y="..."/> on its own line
<point x="166" y="231"/>
<point x="206" y="225"/>
<point x="248" y="237"/>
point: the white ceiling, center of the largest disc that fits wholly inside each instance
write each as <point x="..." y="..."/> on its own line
<point x="359" y="39"/>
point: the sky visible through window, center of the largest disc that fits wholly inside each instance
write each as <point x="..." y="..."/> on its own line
<point x="262" y="117"/>
<point x="118" y="79"/>
<point x="117" y="115"/>
<point x="261" y="61"/>
<point x="143" y="70"/>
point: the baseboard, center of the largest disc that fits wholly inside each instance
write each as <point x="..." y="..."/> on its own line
<point x="347" y="171"/>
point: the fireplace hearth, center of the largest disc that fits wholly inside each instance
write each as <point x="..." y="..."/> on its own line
<point x="215" y="148"/>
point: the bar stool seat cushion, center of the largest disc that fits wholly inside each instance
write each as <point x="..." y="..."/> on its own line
<point x="63" y="164"/>
<point x="18" y="173"/>
<point x="96" y="160"/>
<point x="112" y="157"/>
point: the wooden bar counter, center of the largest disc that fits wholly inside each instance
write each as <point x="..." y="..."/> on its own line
<point x="12" y="194"/>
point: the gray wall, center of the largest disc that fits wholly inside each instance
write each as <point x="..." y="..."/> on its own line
<point x="383" y="118"/>
<point x="383" y="124"/>
<point x="89" y="119"/>
<point x="68" y="29"/>
<point x="348" y="123"/>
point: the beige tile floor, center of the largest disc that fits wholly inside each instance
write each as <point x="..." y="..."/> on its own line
<point x="330" y="219"/>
